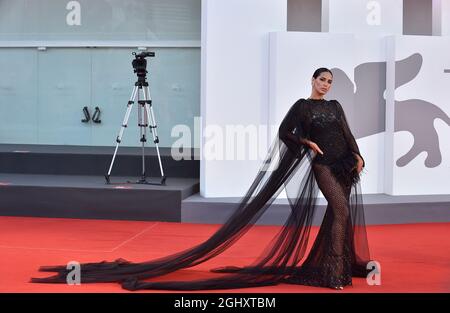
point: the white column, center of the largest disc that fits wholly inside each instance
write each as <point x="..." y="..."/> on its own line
<point x="234" y="84"/>
<point x="441" y="17"/>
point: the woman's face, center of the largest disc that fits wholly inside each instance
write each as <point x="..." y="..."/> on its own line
<point x="322" y="83"/>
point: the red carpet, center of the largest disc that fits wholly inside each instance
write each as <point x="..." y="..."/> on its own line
<point x="413" y="257"/>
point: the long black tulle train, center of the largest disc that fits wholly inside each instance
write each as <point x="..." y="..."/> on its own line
<point x="288" y="167"/>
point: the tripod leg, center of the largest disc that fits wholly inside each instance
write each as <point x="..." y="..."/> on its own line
<point x="152" y="126"/>
<point x="122" y="128"/>
<point x="143" y="123"/>
<point x="144" y="137"/>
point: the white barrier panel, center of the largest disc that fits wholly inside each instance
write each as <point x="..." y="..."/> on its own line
<point x="418" y="115"/>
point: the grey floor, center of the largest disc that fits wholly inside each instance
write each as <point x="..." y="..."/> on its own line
<point x="378" y="209"/>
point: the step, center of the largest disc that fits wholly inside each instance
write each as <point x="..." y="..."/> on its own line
<point x="89" y="197"/>
<point x="86" y="160"/>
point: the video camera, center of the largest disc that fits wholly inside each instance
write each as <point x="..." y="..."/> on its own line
<point x="140" y="63"/>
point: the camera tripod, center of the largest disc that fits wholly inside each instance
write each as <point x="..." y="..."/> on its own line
<point x="145" y="115"/>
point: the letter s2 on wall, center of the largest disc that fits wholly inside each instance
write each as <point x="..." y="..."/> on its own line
<point x="87" y="115"/>
<point x="95" y="117"/>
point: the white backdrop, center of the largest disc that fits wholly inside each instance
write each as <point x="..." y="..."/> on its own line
<point x="295" y="56"/>
<point x="250" y="82"/>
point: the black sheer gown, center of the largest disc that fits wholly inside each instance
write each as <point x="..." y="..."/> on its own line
<point x="340" y="250"/>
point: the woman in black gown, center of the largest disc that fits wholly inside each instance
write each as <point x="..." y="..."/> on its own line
<point x="314" y="149"/>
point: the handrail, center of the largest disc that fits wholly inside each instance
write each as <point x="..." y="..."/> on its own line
<point x="99" y="44"/>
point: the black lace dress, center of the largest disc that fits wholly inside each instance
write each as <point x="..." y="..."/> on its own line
<point x="331" y="261"/>
<point x="340" y="250"/>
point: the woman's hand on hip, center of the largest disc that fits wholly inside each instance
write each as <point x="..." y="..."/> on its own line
<point x="313" y="146"/>
<point x="359" y="165"/>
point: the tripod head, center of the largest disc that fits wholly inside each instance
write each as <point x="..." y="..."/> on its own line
<point x="140" y="66"/>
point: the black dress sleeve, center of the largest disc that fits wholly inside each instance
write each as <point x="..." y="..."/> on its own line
<point x="293" y="130"/>
<point x="349" y="138"/>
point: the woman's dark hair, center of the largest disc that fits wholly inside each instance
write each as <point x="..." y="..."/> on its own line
<point x="320" y="71"/>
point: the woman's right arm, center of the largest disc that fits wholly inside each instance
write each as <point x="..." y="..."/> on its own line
<point x="292" y="131"/>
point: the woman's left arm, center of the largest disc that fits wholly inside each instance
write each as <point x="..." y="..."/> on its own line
<point x="347" y="133"/>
